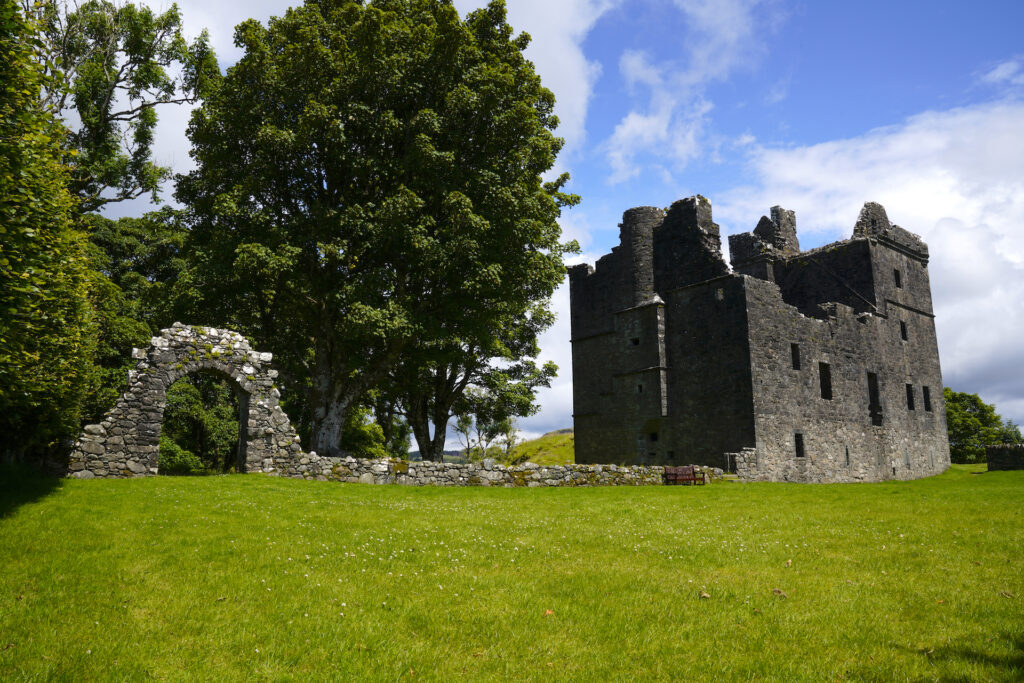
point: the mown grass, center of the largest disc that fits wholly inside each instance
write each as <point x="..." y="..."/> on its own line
<point x="252" y="577"/>
<point x="553" y="448"/>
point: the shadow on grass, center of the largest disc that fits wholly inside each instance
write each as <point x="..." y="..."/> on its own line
<point x="21" y="484"/>
<point x="1009" y="665"/>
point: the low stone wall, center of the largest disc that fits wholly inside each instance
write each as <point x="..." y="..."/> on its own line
<point x="1005" y="457"/>
<point x="487" y="473"/>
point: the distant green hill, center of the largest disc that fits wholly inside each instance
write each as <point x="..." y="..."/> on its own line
<point x="554" y="448"/>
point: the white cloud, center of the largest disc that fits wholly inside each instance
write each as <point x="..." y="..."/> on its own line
<point x="1010" y="72"/>
<point x="673" y="124"/>
<point x="956" y="178"/>
<point x="778" y="92"/>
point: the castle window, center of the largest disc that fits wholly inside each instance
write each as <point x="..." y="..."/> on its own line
<point x="825" y="376"/>
<point x="639" y="388"/>
<point x="903" y="330"/>
<point x="906" y="458"/>
<point x="874" y="404"/>
<point x="671" y="456"/>
<point x="926" y="396"/>
<point x="794" y="350"/>
<point x="847" y="456"/>
<point x="798" y="439"/>
<point x="910" y="397"/>
<point x="635" y="341"/>
<point x="897" y="278"/>
<point x="653" y="436"/>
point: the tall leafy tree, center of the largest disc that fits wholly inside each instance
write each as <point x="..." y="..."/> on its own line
<point x="974" y="424"/>
<point x="486" y="376"/>
<point x="46" y="332"/>
<point x="368" y="177"/>
<point x="111" y="65"/>
<point x="134" y="262"/>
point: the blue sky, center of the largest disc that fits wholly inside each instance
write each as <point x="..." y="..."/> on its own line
<point x="817" y="106"/>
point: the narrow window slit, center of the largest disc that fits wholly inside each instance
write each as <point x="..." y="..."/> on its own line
<point x="825" y="375"/>
<point x="874" y="404"/>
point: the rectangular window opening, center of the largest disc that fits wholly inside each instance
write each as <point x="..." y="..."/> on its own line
<point x="903" y="330"/>
<point x="794" y="350"/>
<point x="825" y="375"/>
<point x="639" y="388"/>
<point x="910" y="397"/>
<point x="926" y="396"/>
<point x="635" y="341"/>
<point x="898" y="278"/>
<point x="653" y="436"/>
<point x="847" y="456"/>
<point x="799" y="439"/>
<point x="874" y="404"/>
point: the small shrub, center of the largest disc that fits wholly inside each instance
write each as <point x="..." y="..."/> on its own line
<point x="176" y="460"/>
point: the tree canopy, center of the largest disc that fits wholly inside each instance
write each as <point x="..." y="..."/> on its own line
<point x="46" y="331"/>
<point x="109" y="66"/>
<point x="368" y="180"/>
<point x="974" y="424"/>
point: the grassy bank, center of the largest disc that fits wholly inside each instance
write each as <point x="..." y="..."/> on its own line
<point x="553" y="448"/>
<point x="242" y="577"/>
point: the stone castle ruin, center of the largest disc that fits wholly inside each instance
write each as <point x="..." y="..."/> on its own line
<point x="812" y="366"/>
<point x="127" y="442"/>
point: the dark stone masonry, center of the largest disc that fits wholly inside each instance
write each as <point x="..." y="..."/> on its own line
<point x="810" y="366"/>
<point x="1005" y="457"/>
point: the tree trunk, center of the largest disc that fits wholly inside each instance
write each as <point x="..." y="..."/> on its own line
<point x="328" y="423"/>
<point x="420" y="423"/>
<point x="330" y="407"/>
<point x="437" y="441"/>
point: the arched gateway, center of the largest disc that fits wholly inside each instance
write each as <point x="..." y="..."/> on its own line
<point x="126" y="443"/>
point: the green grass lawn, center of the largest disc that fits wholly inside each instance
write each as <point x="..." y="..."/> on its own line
<point x="252" y="577"/>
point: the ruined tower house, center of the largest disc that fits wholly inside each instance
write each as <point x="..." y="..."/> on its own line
<point x="812" y="366"/>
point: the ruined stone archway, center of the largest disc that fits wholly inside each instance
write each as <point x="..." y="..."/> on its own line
<point x="127" y="442"/>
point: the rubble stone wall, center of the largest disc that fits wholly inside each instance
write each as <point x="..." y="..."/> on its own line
<point x="486" y="473"/>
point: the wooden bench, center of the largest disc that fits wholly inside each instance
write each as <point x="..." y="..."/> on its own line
<point x="684" y="475"/>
